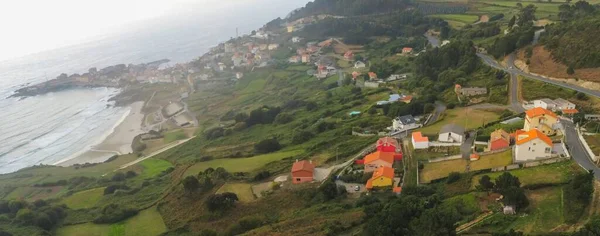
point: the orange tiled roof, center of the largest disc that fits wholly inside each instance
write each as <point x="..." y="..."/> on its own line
<point x="397" y="189"/>
<point x="418" y="137"/>
<point x="570" y="111"/>
<point x="538" y="111"/>
<point x="378" y="155"/>
<point x="303" y="165"/>
<point x="369" y="184"/>
<point x="531" y="135"/>
<point x="383" y="171"/>
<point x="372" y="75"/>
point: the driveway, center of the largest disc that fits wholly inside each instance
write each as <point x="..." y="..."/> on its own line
<point x="439" y="108"/>
<point x="465" y="148"/>
<point x="351" y="187"/>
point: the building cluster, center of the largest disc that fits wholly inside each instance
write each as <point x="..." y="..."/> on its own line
<point x="556" y="105"/>
<point x="381" y="162"/>
<point x="469" y="91"/>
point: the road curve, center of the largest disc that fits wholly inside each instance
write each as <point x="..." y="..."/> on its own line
<point x="575" y="145"/>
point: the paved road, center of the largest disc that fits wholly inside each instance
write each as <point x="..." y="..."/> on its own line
<point x="439" y="108"/>
<point x="574" y="144"/>
<point x="514" y="70"/>
<point x="465" y="147"/>
<point x="576" y="149"/>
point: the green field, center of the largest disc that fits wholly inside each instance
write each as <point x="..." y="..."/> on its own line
<point x="439" y="170"/>
<point x="242" y="190"/>
<point x="458" y="17"/>
<point x="242" y="164"/>
<point x="84" y="199"/>
<point x="174" y="136"/>
<point x="146" y="222"/>
<point x="464" y="116"/>
<point x="493" y="160"/>
<point x="552" y="173"/>
<point x="594" y="142"/>
<point x="152" y="167"/>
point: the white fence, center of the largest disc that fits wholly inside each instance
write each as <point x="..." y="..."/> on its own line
<point x="442" y="144"/>
<point x="586" y="146"/>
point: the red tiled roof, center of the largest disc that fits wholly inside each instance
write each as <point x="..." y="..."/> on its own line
<point x="303" y="165"/>
<point x="383" y="171"/>
<point x="538" y="111"/>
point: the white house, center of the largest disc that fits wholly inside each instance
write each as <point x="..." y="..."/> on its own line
<point x="532" y="145"/>
<point x="451" y="133"/>
<point x="371" y="84"/>
<point x="296" y="39"/>
<point x="562" y="104"/>
<point x="545" y="103"/>
<point x="419" y="141"/>
<point x="406" y="122"/>
<point x="359" y="64"/>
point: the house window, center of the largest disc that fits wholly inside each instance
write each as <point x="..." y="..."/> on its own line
<point x="533" y="144"/>
<point x="298" y="179"/>
<point x="548" y="150"/>
<point x="529" y="148"/>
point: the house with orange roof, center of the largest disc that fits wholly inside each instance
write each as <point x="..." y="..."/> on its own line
<point x="305" y="58"/>
<point x="378" y="159"/>
<point x="532" y="145"/>
<point x="382" y="177"/>
<point x="499" y="139"/>
<point x="302" y="172"/>
<point x="355" y="74"/>
<point x="407" y="50"/>
<point x="419" y="141"/>
<point x="541" y="119"/>
<point x="348" y="55"/>
<point x="372" y="76"/>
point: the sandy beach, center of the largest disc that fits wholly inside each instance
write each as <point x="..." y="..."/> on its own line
<point x="117" y="142"/>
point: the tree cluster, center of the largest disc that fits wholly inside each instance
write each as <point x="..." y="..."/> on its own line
<point x="221" y="201"/>
<point x="38" y="214"/>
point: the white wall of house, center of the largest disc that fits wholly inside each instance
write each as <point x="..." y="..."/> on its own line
<point x="542" y="104"/>
<point x="534" y="149"/>
<point x="397" y="125"/>
<point x="450" y="137"/>
<point x="420" y="145"/>
<point x="369" y="84"/>
<point x="566" y="106"/>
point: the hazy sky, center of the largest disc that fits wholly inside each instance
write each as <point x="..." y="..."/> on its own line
<point x="30" y="26"/>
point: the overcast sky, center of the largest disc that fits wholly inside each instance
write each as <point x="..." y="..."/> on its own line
<point x="30" y="26"/>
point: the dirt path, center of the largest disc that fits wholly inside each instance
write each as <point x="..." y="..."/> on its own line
<point x="470" y="224"/>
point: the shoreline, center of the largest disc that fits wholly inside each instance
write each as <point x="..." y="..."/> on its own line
<point x="116" y="142"/>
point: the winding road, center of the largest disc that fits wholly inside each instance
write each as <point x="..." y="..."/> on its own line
<point x="574" y="145"/>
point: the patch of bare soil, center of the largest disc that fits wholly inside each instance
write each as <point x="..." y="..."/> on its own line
<point x="484" y="19"/>
<point x="542" y="62"/>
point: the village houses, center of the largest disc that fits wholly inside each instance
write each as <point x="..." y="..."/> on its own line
<point x="389" y="144"/>
<point x="378" y="159"/>
<point x="302" y="171"/>
<point x="558" y="104"/>
<point x="541" y="119"/>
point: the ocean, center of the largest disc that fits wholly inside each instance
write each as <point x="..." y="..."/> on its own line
<point x="49" y="128"/>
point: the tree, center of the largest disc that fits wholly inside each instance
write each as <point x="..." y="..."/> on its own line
<point x="591" y="228"/>
<point x="515" y="196"/>
<point x="453" y="177"/>
<point x="302" y="136"/>
<point x="486" y="183"/>
<point x="512" y="20"/>
<point x="190" y="184"/>
<point x="221" y="202"/>
<point x="24" y="216"/>
<point x="505" y="181"/>
<point x="119" y="176"/>
<point x="130" y="174"/>
<point x="267" y="146"/>
<point x="581" y="96"/>
<point x="570" y="70"/>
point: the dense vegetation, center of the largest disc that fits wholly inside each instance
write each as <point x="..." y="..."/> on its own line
<point x="349" y="7"/>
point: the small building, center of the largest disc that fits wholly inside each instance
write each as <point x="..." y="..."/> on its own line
<point x="509" y="210"/>
<point x="499" y="139"/>
<point x="389" y="144"/>
<point x="273" y="46"/>
<point x="355" y="74"/>
<point x="305" y="58"/>
<point x="371" y="84"/>
<point x="382" y="177"/>
<point x="407" y="50"/>
<point x="378" y="159"/>
<point x="406" y="99"/>
<point x="562" y="104"/>
<point x="239" y="75"/>
<point x="544" y="103"/>
<point x="302" y="172"/>
<point x="372" y="76"/>
<point x="349" y="55"/>
<point x="406" y="122"/>
<point x="172" y="109"/>
<point x="451" y="133"/>
<point x="470" y="91"/>
<point x="359" y="64"/>
<point x="532" y="145"/>
<point x="541" y="119"/>
<point x="294" y="59"/>
<point x="296" y="39"/>
<point x="182" y="120"/>
<point x="474" y="157"/>
<point x="419" y="141"/>
<point x="290" y="28"/>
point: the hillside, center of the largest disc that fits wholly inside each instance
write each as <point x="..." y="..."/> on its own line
<point x="349" y="7"/>
<point x="574" y="43"/>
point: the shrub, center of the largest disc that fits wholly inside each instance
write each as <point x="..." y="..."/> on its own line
<point x="240" y="126"/>
<point x="113" y="188"/>
<point x="267" y="146"/>
<point x="221" y="202"/>
<point x="262" y="175"/>
<point x="113" y="213"/>
<point x="453" y="177"/>
<point x="302" y="137"/>
<point x="130" y="174"/>
<point x="284" y="118"/>
<point x="119" y="176"/>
